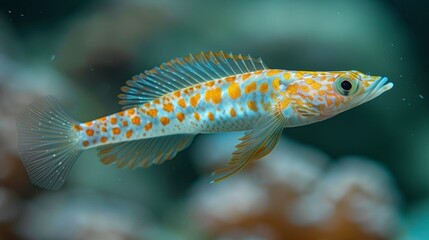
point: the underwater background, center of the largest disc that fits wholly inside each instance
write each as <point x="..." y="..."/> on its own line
<point x="360" y="175"/>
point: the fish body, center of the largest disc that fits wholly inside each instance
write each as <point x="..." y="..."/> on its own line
<point x="165" y="107"/>
<point x="227" y="104"/>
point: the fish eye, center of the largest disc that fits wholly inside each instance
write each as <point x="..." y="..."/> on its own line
<point x="346" y="86"/>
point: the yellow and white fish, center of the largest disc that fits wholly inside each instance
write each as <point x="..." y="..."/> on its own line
<point x="165" y="108"/>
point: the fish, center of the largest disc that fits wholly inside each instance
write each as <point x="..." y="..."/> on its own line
<point x="164" y="108"/>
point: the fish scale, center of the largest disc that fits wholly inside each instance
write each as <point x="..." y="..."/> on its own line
<point x="167" y="106"/>
<point x="236" y="111"/>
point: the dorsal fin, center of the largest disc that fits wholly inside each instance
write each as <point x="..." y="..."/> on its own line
<point x="184" y="72"/>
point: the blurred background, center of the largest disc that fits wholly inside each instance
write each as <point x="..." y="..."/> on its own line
<point x="360" y="175"/>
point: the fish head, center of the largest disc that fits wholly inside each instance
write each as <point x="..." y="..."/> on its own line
<point x="321" y="95"/>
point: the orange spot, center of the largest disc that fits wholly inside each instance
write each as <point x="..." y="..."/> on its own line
<point x="309" y="81"/>
<point x="230" y="79"/>
<point x="103" y="129"/>
<point x="328" y="101"/>
<point x="116" y="131"/>
<point x="113" y="120"/>
<point x="89" y="124"/>
<point x="286" y="76"/>
<point x="257" y="72"/>
<point x="209" y="84"/>
<point x="136" y="120"/>
<point x="194" y="100"/>
<point x="85" y="143"/>
<point x="182" y="103"/>
<point x="124" y="123"/>
<point x="198" y="86"/>
<point x="180" y="116"/>
<point x="102" y="119"/>
<point x="232" y="112"/>
<point x="165" y="120"/>
<point x="252" y="105"/>
<point x="304" y="88"/>
<point x="234" y="91"/>
<point x="285" y="103"/>
<point x="245" y="76"/>
<point x="146" y="105"/>
<point x="298" y="74"/>
<point x="156" y="101"/>
<point x="129" y="133"/>
<point x="177" y="93"/>
<point x="90" y="132"/>
<point x="121" y="114"/>
<point x="77" y="127"/>
<point x="273" y="72"/>
<point x="103" y="139"/>
<point x="131" y="111"/>
<point x="263" y="88"/>
<point x="321" y="107"/>
<point x="211" y="116"/>
<point x="276" y="84"/>
<point x="316" y="86"/>
<point x="250" y="87"/>
<point x="152" y="112"/>
<point x="197" y="116"/>
<point x="321" y="92"/>
<point x="168" y="107"/>
<point x="214" y="95"/>
<point x="292" y="89"/>
<point x="148" y="126"/>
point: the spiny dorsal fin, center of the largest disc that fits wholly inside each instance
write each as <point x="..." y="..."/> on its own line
<point x="144" y="152"/>
<point x="185" y="72"/>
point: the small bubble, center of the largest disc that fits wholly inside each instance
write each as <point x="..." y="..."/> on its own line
<point x="392" y="44"/>
<point x="40" y="124"/>
<point x="59" y="164"/>
<point x="10" y="11"/>
<point x="52" y="57"/>
<point x="403" y="99"/>
<point x="400" y="75"/>
<point x="401" y="58"/>
<point x="421" y="96"/>
<point x="22" y="15"/>
<point x="54" y="155"/>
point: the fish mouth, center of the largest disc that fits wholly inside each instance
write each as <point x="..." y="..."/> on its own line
<point x="378" y="87"/>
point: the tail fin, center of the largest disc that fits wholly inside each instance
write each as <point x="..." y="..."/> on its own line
<point x="47" y="143"/>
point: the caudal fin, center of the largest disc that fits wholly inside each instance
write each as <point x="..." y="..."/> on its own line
<point x="47" y="143"/>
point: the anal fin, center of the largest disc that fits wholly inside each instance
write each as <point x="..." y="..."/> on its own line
<point x="144" y="152"/>
<point x="255" y="144"/>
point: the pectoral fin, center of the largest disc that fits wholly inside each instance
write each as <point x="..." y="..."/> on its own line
<point x="255" y="144"/>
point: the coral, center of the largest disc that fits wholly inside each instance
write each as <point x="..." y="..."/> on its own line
<point x="294" y="194"/>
